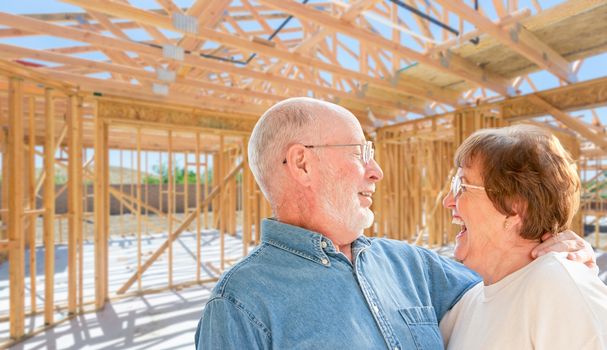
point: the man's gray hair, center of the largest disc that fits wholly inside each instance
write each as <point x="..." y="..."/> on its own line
<point x="287" y="122"/>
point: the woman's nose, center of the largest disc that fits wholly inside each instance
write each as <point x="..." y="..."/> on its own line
<point x="449" y="201"/>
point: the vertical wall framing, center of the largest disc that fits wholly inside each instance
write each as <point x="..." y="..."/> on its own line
<point x="75" y="183"/>
<point x="49" y="207"/>
<point x="101" y="207"/>
<point x="59" y="125"/>
<point x="216" y="159"/>
<point x="16" y="190"/>
<point x="30" y="197"/>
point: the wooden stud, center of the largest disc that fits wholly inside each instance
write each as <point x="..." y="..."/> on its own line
<point x="75" y="198"/>
<point x="161" y="184"/>
<point x="31" y="181"/>
<point x="198" y="224"/>
<point x="4" y="183"/>
<point x="215" y="179"/>
<point x="121" y="180"/>
<point x="79" y="219"/>
<point x="185" y="183"/>
<point x="139" y="205"/>
<point x="101" y="211"/>
<point x="171" y="209"/>
<point x="15" y="215"/>
<point x="207" y="180"/>
<point x="220" y="210"/>
<point x="245" y="206"/>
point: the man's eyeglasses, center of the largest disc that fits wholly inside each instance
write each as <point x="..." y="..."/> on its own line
<point x="367" y="151"/>
<point x="458" y="186"/>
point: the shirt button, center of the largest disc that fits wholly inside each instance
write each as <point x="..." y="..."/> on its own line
<point x="375" y="308"/>
<point x="325" y="262"/>
<point x="323" y="244"/>
<point x="396" y="348"/>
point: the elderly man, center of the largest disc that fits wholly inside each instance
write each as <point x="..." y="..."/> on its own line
<point x="315" y="281"/>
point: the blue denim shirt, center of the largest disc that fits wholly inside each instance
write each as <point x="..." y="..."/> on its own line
<point x="295" y="291"/>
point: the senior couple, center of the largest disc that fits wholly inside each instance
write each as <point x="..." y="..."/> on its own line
<point x="316" y="282"/>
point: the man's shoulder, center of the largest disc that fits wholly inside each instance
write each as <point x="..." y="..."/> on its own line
<point x="242" y="275"/>
<point x="402" y="249"/>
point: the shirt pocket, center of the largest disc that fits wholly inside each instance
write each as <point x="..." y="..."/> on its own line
<point x="423" y="326"/>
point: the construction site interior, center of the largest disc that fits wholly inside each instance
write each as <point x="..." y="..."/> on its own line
<point x="125" y="185"/>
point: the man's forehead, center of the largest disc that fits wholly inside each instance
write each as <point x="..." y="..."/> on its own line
<point x="339" y="125"/>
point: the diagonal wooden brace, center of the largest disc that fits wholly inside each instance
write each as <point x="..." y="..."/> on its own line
<point x="186" y="222"/>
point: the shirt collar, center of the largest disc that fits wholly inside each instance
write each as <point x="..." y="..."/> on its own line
<point x="300" y="241"/>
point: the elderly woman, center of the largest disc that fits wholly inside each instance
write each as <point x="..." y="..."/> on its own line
<point x="512" y="186"/>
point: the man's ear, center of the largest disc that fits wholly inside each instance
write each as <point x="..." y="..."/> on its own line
<point x="298" y="164"/>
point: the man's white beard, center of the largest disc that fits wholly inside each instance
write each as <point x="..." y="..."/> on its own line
<point x="343" y="206"/>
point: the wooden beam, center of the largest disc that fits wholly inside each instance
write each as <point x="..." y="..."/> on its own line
<point x="518" y="38"/>
<point x="572" y="123"/>
<point x="583" y="95"/>
<point x="503" y="21"/>
<point x="184" y="224"/>
<point x="139" y="73"/>
<point x="142" y="16"/>
<point x="94" y="85"/>
<point x="171" y="206"/>
<point x="10" y="69"/>
<point x="209" y="13"/>
<point x="221" y="208"/>
<point x="16" y="225"/>
<point x="195" y="61"/>
<point x="74" y="122"/>
<point x="49" y="207"/>
<point x="4" y="202"/>
<point x="198" y="208"/>
<point x="139" y="208"/>
<point x="31" y="196"/>
<point x="450" y="64"/>
<point x="424" y="90"/>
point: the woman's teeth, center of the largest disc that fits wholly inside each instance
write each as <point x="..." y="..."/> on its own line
<point x="457" y="221"/>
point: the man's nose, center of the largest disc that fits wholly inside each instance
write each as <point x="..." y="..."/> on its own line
<point x="374" y="171"/>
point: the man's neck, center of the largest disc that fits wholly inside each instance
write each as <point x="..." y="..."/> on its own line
<point x="345" y="250"/>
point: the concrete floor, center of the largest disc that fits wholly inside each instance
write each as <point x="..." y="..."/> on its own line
<point x="148" y="320"/>
<point x="157" y="321"/>
<point x="164" y="320"/>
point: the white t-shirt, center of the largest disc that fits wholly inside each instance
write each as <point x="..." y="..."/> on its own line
<point x="552" y="303"/>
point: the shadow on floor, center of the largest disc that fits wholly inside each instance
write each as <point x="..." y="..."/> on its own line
<point x="157" y="321"/>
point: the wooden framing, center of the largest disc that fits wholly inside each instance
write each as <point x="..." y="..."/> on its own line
<point x="396" y="78"/>
<point x="519" y="38"/>
<point x="16" y="226"/>
<point x="173" y="235"/>
<point x="101" y="210"/>
<point x="30" y="181"/>
<point x="171" y="200"/>
<point x="49" y="206"/>
<point x="74" y="184"/>
<point x="431" y="78"/>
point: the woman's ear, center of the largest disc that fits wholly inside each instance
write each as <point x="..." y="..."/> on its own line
<point x="518" y="210"/>
<point x="298" y="164"/>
